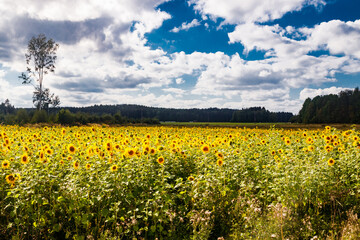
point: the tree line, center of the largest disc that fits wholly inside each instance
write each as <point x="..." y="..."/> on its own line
<point x="125" y="113"/>
<point x="341" y="108"/>
<point x="163" y="114"/>
<point x="12" y="116"/>
<point x="260" y="114"/>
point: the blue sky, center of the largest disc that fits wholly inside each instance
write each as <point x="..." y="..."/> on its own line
<point x="185" y="53"/>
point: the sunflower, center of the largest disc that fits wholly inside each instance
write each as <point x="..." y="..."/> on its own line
<point x="331" y="161"/>
<point x="41" y="155"/>
<point x="114" y="168"/>
<point x="205" y="148"/>
<point x="49" y="151"/>
<point x="152" y="151"/>
<point x="87" y="166"/>
<point x="108" y="146"/>
<point x="328" y="148"/>
<point x="10" y="179"/>
<point x="5" y="164"/>
<point x="71" y="148"/>
<point x="191" y="178"/>
<point x="220" y="155"/>
<point x="24" y="159"/>
<point x="161" y="160"/>
<point x="76" y="165"/>
<point x="131" y="152"/>
<point x="219" y="162"/>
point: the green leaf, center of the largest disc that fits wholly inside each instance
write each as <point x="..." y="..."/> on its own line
<point x="105" y="212"/>
<point x="57" y="227"/>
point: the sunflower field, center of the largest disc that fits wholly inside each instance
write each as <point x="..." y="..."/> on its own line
<point x="101" y="182"/>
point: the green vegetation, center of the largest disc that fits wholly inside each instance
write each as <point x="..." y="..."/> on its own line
<point x="11" y="116"/>
<point x="260" y="114"/>
<point x="158" y="182"/>
<point x="341" y="108"/>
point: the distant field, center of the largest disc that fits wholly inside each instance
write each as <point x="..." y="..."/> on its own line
<point x="261" y="125"/>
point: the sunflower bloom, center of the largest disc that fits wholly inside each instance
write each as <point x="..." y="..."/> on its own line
<point x="131" y="152"/>
<point x="24" y="159"/>
<point x="219" y="162"/>
<point x="114" y="168"/>
<point x="220" y="155"/>
<point x="71" y="148"/>
<point x="331" y="162"/>
<point x="205" y="149"/>
<point x="87" y="166"/>
<point x="5" y="164"/>
<point x="49" y="151"/>
<point x="161" y="160"/>
<point x="76" y="165"/>
<point x="10" y="179"/>
<point x="41" y="155"/>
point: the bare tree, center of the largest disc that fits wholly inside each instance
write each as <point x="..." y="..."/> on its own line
<point x="40" y="60"/>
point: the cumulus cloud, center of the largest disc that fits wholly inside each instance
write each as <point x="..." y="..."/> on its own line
<point x="336" y="36"/>
<point x="9" y="90"/>
<point x="96" y="40"/>
<point x="237" y="12"/>
<point x="177" y="91"/>
<point x="311" y="93"/>
<point x="186" y="26"/>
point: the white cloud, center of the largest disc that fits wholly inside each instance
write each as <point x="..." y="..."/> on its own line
<point x="17" y="95"/>
<point x="179" y="81"/>
<point x="186" y="26"/>
<point x="272" y="39"/>
<point x="87" y="63"/>
<point x="311" y="93"/>
<point x="79" y="10"/>
<point x="177" y="91"/>
<point x="236" y="12"/>
<point x="336" y="36"/>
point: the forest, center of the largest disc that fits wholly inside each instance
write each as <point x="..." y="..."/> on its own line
<point x="341" y="108"/>
<point x="122" y="114"/>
